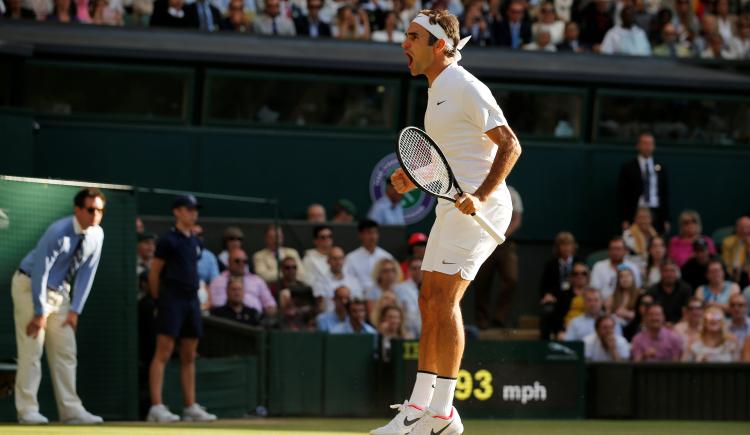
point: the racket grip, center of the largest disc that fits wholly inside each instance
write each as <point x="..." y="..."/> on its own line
<point x="489" y="227"/>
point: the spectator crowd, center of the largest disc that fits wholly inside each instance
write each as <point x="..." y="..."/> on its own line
<point x="708" y="29"/>
<point x="655" y="296"/>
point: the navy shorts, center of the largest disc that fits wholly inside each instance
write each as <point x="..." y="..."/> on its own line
<point x="178" y="315"/>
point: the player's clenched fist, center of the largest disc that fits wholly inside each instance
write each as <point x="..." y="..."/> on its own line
<point x="468" y="203"/>
<point x="401" y="182"/>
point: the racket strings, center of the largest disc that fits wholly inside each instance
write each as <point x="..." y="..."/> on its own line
<point x="423" y="162"/>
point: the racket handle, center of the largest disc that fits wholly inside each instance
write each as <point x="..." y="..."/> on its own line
<point x="489" y="227"/>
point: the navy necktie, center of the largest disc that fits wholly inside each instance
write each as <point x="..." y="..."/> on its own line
<point x="76" y="263"/>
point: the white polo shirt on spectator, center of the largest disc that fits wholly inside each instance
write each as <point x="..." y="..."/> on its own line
<point x="315" y="265"/>
<point x="604" y="277"/>
<point x="595" y="352"/>
<point x="360" y="262"/>
<point x="326" y="285"/>
<point x="632" y="41"/>
<point x="384" y="212"/>
<point x="407" y="294"/>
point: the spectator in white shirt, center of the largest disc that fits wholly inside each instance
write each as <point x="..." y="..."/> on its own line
<point x="315" y="261"/>
<point x="407" y="294"/>
<point x="604" y="345"/>
<point x="604" y="272"/>
<point x="543" y="42"/>
<point x="549" y="22"/>
<point x="741" y="44"/>
<point x="627" y="38"/>
<point x="360" y="263"/>
<point x="324" y="287"/>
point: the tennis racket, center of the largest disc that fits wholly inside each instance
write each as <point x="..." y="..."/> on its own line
<point x="426" y="166"/>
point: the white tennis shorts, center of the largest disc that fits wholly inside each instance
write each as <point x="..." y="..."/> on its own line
<point x="457" y="242"/>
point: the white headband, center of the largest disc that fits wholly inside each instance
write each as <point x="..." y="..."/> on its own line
<point x="438" y="32"/>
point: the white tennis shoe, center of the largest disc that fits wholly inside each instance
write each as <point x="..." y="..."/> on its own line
<point x="196" y="412"/>
<point x="404" y="422"/>
<point x="433" y="424"/>
<point x="32" y="417"/>
<point x="161" y="414"/>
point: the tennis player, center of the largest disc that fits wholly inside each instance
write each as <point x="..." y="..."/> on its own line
<point x="465" y="121"/>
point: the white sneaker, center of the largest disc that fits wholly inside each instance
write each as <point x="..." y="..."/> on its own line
<point x="160" y="414"/>
<point x="433" y="424"/>
<point x="404" y="422"/>
<point x="33" y="417"/>
<point x="84" y="417"/>
<point x="196" y="412"/>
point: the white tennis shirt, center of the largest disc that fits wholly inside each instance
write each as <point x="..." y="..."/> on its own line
<point x="460" y="109"/>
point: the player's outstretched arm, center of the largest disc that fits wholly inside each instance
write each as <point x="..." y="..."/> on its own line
<point x="401" y="182"/>
<point x="508" y="151"/>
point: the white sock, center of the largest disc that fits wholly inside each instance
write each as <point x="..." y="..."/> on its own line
<point x="423" y="389"/>
<point x="442" y="400"/>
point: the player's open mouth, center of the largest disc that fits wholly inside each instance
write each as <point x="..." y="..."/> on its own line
<point x="411" y="60"/>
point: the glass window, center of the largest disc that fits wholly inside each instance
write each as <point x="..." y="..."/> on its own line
<point x="109" y="90"/>
<point x="267" y="99"/>
<point x="532" y="111"/>
<point x="677" y="118"/>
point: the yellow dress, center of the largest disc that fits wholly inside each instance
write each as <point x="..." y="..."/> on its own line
<point x="576" y="309"/>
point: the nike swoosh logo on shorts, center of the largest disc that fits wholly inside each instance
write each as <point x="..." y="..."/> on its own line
<point x="445" y="262"/>
<point x="432" y="432"/>
<point x="408" y="422"/>
<point x="441" y="102"/>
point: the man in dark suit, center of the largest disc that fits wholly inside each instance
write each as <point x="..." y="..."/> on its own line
<point x="643" y="182"/>
<point x="311" y="25"/>
<point x="203" y="15"/>
<point x="169" y="13"/>
<point x="570" y="41"/>
<point x="515" y="30"/>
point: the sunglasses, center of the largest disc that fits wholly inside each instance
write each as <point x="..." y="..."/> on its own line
<point x="579" y="273"/>
<point x="240" y="261"/>
<point x="292" y="267"/>
<point x="91" y="210"/>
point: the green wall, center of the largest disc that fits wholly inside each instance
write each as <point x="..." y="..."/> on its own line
<point x="563" y="186"/>
<point x="106" y="333"/>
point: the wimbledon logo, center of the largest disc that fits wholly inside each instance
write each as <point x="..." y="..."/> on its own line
<point x="416" y="203"/>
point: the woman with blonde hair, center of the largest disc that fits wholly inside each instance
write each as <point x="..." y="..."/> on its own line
<point x="385" y="275"/>
<point x="715" y="343"/>
<point x="623" y="301"/>
<point x="681" y="245"/>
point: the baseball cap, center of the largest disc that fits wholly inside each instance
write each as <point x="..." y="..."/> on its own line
<point x="416" y="238"/>
<point x="146" y="236"/>
<point x="186" y="201"/>
<point x="347" y="205"/>
<point x="700" y="244"/>
<point x="233" y="233"/>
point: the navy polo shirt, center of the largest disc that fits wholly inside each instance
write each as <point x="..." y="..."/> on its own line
<point x="180" y="254"/>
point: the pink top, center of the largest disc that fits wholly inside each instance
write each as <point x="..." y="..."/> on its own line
<point x="667" y="346"/>
<point x="257" y="294"/>
<point x="681" y="249"/>
<point x="82" y="11"/>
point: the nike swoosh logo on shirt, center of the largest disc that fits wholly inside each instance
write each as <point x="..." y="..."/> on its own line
<point x="441" y="102"/>
<point x="408" y="422"/>
<point x="445" y="262"/>
<point x="432" y="432"/>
